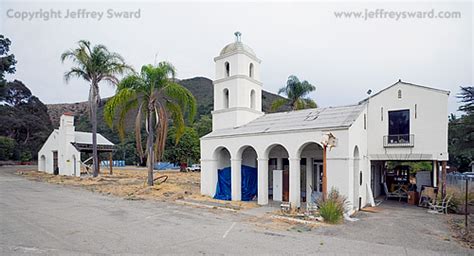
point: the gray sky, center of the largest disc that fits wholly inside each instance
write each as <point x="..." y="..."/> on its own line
<point x="342" y="57"/>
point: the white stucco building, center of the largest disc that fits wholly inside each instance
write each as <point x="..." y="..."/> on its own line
<point x="62" y="150"/>
<point x="402" y="122"/>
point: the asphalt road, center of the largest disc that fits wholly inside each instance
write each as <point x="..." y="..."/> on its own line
<point x="38" y="218"/>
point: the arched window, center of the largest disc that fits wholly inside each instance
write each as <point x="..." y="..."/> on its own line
<point x="251" y="70"/>
<point x="226" y="98"/>
<point x="399" y="94"/>
<point x="252" y="99"/>
<point x="227" y="69"/>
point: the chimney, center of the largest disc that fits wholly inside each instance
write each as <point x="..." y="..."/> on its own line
<point x="67" y="124"/>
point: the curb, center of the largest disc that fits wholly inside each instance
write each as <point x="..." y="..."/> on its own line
<point x="295" y="220"/>
<point x="205" y="206"/>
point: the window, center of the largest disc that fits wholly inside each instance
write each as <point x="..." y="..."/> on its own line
<point x="251" y="70"/>
<point x="360" y="178"/>
<point x="252" y="99"/>
<point x="227" y="69"/>
<point x="226" y="98"/>
<point x="415" y="111"/>
<point x="399" y="94"/>
<point x="365" y="121"/>
<point x="399" y="126"/>
<point x="381" y="114"/>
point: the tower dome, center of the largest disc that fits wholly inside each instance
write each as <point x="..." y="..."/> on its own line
<point x="237" y="46"/>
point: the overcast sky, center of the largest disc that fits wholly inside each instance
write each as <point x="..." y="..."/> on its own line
<point x="343" y="58"/>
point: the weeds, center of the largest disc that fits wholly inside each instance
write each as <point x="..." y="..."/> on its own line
<point x="331" y="207"/>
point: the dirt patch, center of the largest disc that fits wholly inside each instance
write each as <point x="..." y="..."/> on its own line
<point x="131" y="185"/>
<point x="456" y="223"/>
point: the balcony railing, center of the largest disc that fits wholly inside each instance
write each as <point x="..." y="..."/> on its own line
<point x="399" y="140"/>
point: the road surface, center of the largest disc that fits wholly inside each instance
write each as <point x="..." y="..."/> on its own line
<point x="45" y="219"/>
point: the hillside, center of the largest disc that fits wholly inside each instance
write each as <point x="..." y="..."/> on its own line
<point x="200" y="87"/>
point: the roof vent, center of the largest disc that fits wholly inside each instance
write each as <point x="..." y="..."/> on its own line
<point x="311" y="116"/>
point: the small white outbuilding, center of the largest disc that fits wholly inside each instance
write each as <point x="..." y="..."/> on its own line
<point x="61" y="153"/>
<point x="404" y="122"/>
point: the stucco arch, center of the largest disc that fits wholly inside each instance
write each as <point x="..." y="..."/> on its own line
<point x="42" y="163"/>
<point x="248" y="154"/>
<point x="222" y="155"/>
<point x="268" y="149"/>
<point x="356" y="174"/>
<point x="300" y="149"/>
<point x="238" y="154"/>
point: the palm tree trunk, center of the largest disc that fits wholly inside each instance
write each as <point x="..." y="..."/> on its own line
<point x="93" y="106"/>
<point x="151" y="153"/>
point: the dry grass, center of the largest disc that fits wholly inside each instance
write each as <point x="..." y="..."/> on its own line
<point x="457" y="226"/>
<point x="131" y="184"/>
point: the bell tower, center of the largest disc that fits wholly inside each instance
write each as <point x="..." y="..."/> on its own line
<point x="237" y="86"/>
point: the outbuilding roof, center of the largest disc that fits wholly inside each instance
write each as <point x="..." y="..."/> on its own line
<point x="86" y="138"/>
<point x="315" y="119"/>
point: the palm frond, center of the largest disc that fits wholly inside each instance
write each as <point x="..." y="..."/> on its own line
<point x="161" y="131"/>
<point x="309" y="103"/>
<point x="278" y="103"/>
<point x="138" y="131"/>
<point x="76" y="72"/>
<point x="185" y="99"/>
<point x="177" y="117"/>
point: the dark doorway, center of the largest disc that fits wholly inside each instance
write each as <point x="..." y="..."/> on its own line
<point x="55" y="163"/>
<point x="286" y="186"/>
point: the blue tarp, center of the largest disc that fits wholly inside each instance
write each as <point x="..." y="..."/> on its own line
<point x="249" y="183"/>
<point x="115" y="163"/>
<point x="165" y="166"/>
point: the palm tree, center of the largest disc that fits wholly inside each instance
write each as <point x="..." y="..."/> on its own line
<point x="157" y="98"/>
<point x="297" y="93"/>
<point x="94" y="64"/>
<point x="467" y="97"/>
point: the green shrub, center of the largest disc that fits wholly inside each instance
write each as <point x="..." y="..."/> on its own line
<point x="25" y="157"/>
<point x="331" y="207"/>
<point x="7" y="147"/>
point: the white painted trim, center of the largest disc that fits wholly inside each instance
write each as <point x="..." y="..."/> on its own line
<point x="236" y="77"/>
<point x="238" y="52"/>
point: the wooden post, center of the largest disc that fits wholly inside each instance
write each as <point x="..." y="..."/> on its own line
<point x="111" y="163"/>
<point x="443" y="179"/>
<point x="98" y="165"/>
<point x="325" y="189"/>
<point x="466" y="222"/>
<point x="438" y="181"/>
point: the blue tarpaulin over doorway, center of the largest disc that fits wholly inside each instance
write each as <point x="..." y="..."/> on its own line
<point x="249" y="183"/>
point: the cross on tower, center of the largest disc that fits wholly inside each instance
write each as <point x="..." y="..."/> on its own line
<point x="237" y="36"/>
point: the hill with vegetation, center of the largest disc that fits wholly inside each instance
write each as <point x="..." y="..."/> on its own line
<point x="200" y="87"/>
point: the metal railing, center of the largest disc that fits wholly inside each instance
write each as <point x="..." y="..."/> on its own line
<point x="399" y="140"/>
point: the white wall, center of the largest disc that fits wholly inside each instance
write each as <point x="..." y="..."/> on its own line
<point x="239" y="86"/>
<point x="60" y="141"/>
<point x="46" y="150"/>
<point x="358" y="137"/>
<point x="337" y="158"/>
<point x="430" y="126"/>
